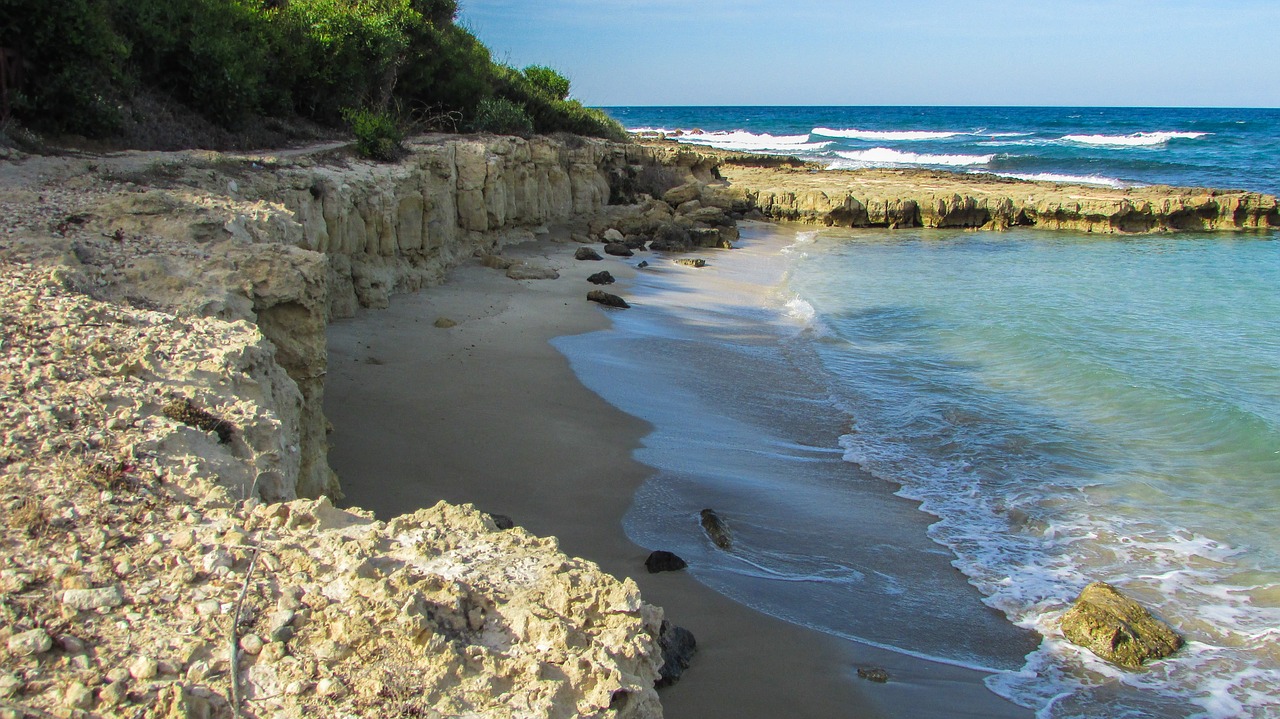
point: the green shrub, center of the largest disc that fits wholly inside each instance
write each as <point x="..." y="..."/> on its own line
<point x="548" y="81"/>
<point x="501" y="117"/>
<point x="378" y="134"/>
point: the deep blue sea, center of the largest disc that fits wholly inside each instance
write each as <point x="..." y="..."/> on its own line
<point x="1222" y="148"/>
<point x="873" y="410"/>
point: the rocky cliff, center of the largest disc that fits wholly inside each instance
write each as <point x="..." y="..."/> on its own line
<point x="289" y="240"/>
<point x="162" y="363"/>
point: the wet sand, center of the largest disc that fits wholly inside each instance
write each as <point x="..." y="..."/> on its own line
<point x="488" y="413"/>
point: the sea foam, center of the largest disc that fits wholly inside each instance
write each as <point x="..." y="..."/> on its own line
<point x="1070" y="179"/>
<point x="884" y="135"/>
<point x="750" y="141"/>
<point x="884" y="156"/>
<point x="1137" y="139"/>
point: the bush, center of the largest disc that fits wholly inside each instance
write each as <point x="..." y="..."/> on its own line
<point x="502" y="117"/>
<point x="378" y="134"/>
<point x="548" y="81"/>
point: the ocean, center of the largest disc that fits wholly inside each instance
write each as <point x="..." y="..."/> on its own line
<point x="1117" y="147"/>
<point x="931" y="440"/>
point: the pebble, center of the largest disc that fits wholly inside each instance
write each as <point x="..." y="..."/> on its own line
<point x="10" y="685"/>
<point x="35" y="641"/>
<point x="144" y="669"/>
<point x="113" y="694"/>
<point x="330" y="688"/>
<point x="251" y="644"/>
<point x="88" y="599"/>
<point x="78" y="696"/>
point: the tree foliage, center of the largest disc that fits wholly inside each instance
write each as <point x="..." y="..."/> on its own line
<point x="233" y="60"/>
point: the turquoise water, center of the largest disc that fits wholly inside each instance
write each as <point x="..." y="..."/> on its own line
<point x="1110" y="146"/>
<point x="1049" y="409"/>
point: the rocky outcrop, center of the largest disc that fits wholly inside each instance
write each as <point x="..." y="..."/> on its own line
<point x="1116" y="628"/>
<point x="289" y="241"/>
<point x="902" y="198"/>
<point x="136" y="549"/>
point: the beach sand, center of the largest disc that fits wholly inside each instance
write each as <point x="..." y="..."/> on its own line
<point x="489" y="413"/>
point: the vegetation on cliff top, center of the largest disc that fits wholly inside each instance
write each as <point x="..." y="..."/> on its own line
<point x="91" y="67"/>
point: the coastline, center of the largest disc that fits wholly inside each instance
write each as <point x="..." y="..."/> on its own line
<point x="516" y="410"/>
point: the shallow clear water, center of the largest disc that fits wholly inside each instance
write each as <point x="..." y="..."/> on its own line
<point x="1209" y="147"/>
<point x="1064" y="409"/>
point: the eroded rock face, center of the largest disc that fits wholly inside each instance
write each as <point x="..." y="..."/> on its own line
<point x="1116" y="628"/>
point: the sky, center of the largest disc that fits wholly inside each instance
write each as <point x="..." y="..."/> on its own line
<point x="1193" y="53"/>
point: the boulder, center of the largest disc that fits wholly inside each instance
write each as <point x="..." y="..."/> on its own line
<point x="636" y="242"/>
<point x="678" y="647"/>
<point x="601" y="278"/>
<point x="716" y="529"/>
<point x="690" y="206"/>
<point x="1116" y="628"/>
<point x="677" y="196"/>
<point x="586" y="253"/>
<point x="713" y="216"/>
<point x="670" y="238"/>
<point x="523" y="271"/>
<point x="706" y="237"/>
<point x="618" y="249"/>
<point x="662" y="561"/>
<point x="607" y="299"/>
<point x="612" y="235"/>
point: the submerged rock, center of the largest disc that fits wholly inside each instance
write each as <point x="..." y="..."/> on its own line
<point x="607" y="299"/>
<point x="586" y="253"/>
<point x="601" y="278"/>
<point x="716" y="529"/>
<point x="663" y="561"/>
<point x="874" y="674"/>
<point x="691" y="262"/>
<point x="678" y="647"/>
<point x="1116" y="628"/>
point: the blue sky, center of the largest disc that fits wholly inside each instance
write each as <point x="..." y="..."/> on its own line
<point x="881" y="52"/>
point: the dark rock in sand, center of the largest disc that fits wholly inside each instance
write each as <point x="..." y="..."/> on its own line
<point x="502" y="521"/>
<point x="636" y="242"/>
<point x="691" y="262"/>
<point x="601" y="278"/>
<point x="586" y="253"/>
<point x="662" y="561"/>
<point x="873" y="674"/>
<point x="643" y="264"/>
<point x="607" y="299"/>
<point x="678" y="647"/>
<point x="618" y="249"/>
<point x="1116" y="628"/>
<point x="716" y="529"/>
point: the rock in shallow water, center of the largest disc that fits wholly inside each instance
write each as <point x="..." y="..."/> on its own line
<point x="662" y="561"/>
<point x="716" y="529"/>
<point x="601" y="278"/>
<point x="586" y="253"/>
<point x="618" y="249"/>
<point x="1116" y="628"/>
<point x="607" y="299"/>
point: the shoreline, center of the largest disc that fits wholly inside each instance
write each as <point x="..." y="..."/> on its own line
<point x="505" y="386"/>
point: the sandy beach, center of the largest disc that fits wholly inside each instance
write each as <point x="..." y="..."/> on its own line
<point x="487" y="412"/>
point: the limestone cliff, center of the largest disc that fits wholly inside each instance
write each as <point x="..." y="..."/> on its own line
<point x="289" y="240"/>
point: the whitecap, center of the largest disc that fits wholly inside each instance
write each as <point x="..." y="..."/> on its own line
<point x="750" y="141"/>
<point x="1072" y="179"/>
<point x="1137" y="139"/>
<point x="884" y="135"/>
<point x="883" y="156"/>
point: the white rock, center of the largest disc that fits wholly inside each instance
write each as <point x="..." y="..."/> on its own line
<point x="251" y="644"/>
<point x="144" y="669"/>
<point x="88" y="599"/>
<point x="35" y="641"/>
